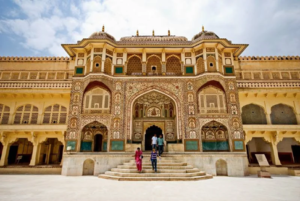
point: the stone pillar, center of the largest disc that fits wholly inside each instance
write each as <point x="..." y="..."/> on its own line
<point x="204" y="58"/>
<point x="163" y="68"/>
<point x="103" y="59"/>
<point x="144" y="68"/>
<point x="217" y="59"/>
<point x="34" y="155"/>
<point x="92" y="59"/>
<point x="275" y="157"/>
<point x="4" y="157"/>
<point x="268" y="116"/>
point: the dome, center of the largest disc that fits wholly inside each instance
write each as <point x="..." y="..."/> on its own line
<point x="101" y="35"/>
<point x="205" y="35"/>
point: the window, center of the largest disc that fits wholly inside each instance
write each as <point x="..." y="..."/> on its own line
<point x="26" y="114"/>
<point x="211" y="64"/>
<point x="212" y="100"/>
<point x="97" y="100"/>
<point x="55" y="114"/>
<point x="4" y="114"/>
<point x="97" y="65"/>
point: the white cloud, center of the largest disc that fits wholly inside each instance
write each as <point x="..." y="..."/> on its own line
<point x="265" y="25"/>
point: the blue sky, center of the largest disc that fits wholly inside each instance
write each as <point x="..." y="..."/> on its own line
<point x="39" y="27"/>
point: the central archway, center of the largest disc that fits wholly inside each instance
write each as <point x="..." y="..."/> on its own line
<point x="149" y="134"/>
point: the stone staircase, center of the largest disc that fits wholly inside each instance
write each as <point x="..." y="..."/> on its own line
<point x="168" y="169"/>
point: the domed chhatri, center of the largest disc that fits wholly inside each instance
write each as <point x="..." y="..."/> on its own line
<point x="205" y="35"/>
<point x="101" y="34"/>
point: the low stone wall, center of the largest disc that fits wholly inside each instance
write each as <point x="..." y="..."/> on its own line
<point x="237" y="163"/>
<point x="30" y="170"/>
<point x="272" y="170"/>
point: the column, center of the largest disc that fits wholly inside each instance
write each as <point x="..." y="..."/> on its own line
<point x="103" y="59"/>
<point x="204" y="58"/>
<point x="34" y="156"/>
<point x="275" y="157"/>
<point x="114" y="62"/>
<point x="268" y="113"/>
<point x="217" y="59"/>
<point x="4" y="157"/>
<point x="144" y="62"/>
<point x="163" y="62"/>
<point x="85" y="63"/>
<point x="125" y="61"/>
<point x="194" y="62"/>
<point x="92" y="59"/>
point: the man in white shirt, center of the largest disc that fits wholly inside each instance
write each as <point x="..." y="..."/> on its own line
<point x="154" y="142"/>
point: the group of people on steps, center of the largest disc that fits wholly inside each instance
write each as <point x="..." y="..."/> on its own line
<point x="157" y="144"/>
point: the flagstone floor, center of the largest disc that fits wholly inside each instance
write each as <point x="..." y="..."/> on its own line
<point x="89" y="188"/>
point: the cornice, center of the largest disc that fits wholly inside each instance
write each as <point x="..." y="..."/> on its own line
<point x="269" y="84"/>
<point x="30" y="59"/>
<point x="40" y="85"/>
<point x="268" y="58"/>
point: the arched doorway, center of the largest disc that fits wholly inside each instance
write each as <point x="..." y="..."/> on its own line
<point x="258" y="145"/>
<point x="93" y="137"/>
<point x="149" y="134"/>
<point x="20" y="152"/>
<point x="98" y="142"/>
<point x="221" y="168"/>
<point x="88" y="167"/>
<point x="51" y="152"/>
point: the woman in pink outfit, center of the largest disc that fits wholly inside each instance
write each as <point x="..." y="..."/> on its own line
<point x="138" y="159"/>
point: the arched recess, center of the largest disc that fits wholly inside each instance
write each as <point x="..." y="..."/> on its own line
<point x="211" y="64"/>
<point x="289" y="151"/>
<point x="107" y="65"/>
<point x="257" y="145"/>
<point x="253" y="114"/>
<point x="96" y="98"/>
<point x="88" y="167"/>
<point x="134" y="65"/>
<point x="173" y="65"/>
<point x="149" y="134"/>
<point x="4" y="114"/>
<point x="26" y="114"/>
<point x="154" y="66"/>
<point x="214" y="137"/>
<point x="283" y="114"/>
<point x="131" y="105"/>
<point x="88" y="65"/>
<point x="200" y="65"/>
<point x="55" y="114"/>
<point x="94" y="137"/>
<point x="212" y="98"/>
<point x="154" y="108"/>
<point x="221" y="168"/>
<point x="51" y="152"/>
<point x="20" y="152"/>
<point x="97" y="64"/>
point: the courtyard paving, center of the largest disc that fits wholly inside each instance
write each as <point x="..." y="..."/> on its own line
<point x="89" y="188"/>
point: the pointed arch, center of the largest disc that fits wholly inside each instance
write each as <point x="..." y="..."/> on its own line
<point x="97" y="64"/>
<point x="107" y="65"/>
<point x="134" y="64"/>
<point x="154" y="61"/>
<point x="26" y="114"/>
<point x="4" y="114"/>
<point x="173" y="65"/>
<point x="200" y="65"/>
<point x="55" y="114"/>
<point x="253" y="114"/>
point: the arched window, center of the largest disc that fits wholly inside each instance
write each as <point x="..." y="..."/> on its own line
<point x="26" y="114"/>
<point x="200" y="65"/>
<point x="97" y="100"/>
<point x="173" y="66"/>
<point x="211" y="64"/>
<point x="107" y="66"/>
<point x="4" y="114"/>
<point x="55" y="114"/>
<point x="97" y="64"/>
<point x="283" y="114"/>
<point x="212" y="100"/>
<point x="253" y="114"/>
<point x="134" y="65"/>
<point x="154" y="65"/>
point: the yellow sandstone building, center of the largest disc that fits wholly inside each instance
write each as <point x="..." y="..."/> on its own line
<point x="87" y="113"/>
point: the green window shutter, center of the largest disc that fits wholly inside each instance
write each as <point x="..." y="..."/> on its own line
<point x="189" y="70"/>
<point x="228" y="70"/>
<point x="79" y="70"/>
<point x="119" y="69"/>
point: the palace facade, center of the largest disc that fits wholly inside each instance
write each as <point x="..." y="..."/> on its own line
<point x="89" y="112"/>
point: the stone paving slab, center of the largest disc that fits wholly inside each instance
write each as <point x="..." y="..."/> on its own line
<point x="56" y="187"/>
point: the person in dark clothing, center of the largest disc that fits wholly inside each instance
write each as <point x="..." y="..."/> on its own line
<point x="160" y="142"/>
<point x="153" y="159"/>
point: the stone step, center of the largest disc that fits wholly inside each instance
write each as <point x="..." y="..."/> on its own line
<point x="154" y="174"/>
<point x="147" y="163"/>
<point x="159" y="170"/>
<point x="158" y="167"/>
<point x="159" y="160"/>
<point x="104" y="176"/>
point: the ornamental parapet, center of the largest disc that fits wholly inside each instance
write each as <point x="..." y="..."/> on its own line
<point x="35" y="59"/>
<point x="268" y="58"/>
<point x="41" y="85"/>
<point x="248" y="84"/>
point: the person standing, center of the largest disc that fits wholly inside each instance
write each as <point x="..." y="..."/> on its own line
<point x="160" y="142"/>
<point x="154" y="142"/>
<point x="153" y="159"/>
<point x="138" y="159"/>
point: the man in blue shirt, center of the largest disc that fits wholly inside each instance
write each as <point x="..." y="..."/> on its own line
<point x="160" y="142"/>
<point x="153" y="159"/>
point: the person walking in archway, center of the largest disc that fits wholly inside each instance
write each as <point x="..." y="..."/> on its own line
<point x="160" y="142"/>
<point x="139" y="159"/>
<point x="154" y="142"/>
<point x="153" y="158"/>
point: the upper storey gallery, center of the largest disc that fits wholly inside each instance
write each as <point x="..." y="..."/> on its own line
<point x="154" y="55"/>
